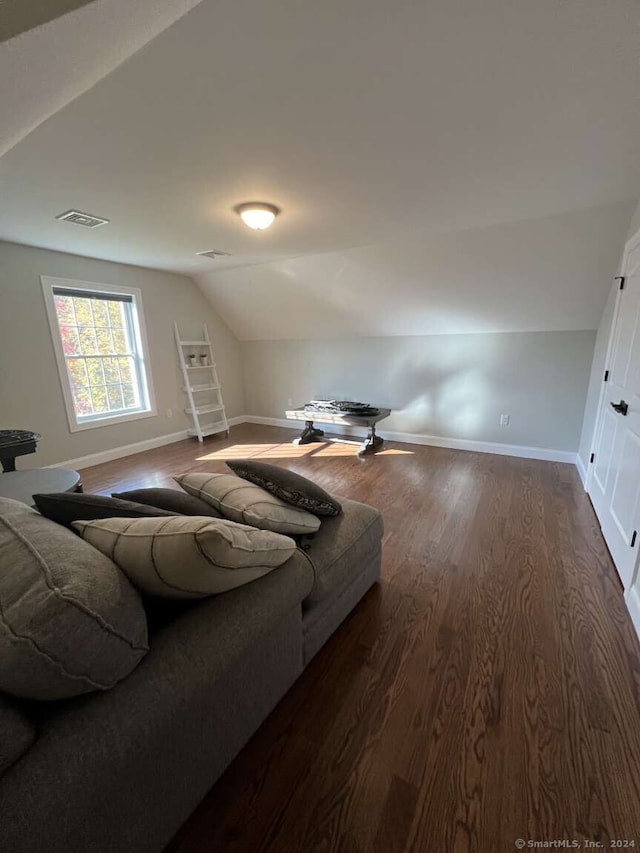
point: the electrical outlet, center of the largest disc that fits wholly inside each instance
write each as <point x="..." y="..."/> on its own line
<point x="289" y="401"/>
<point x="169" y="413"/>
<point x="504" y="420"/>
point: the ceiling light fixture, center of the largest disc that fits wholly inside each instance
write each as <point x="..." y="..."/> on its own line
<point x="257" y="214"/>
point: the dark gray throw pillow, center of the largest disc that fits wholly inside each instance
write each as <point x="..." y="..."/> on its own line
<point x="17" y="733"/>
<point x="177" y="502"/>
<point x="66" y="507"/>
<point x="289" y="487"/>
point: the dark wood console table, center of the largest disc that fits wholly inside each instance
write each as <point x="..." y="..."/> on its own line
<point x="311" y="433"/>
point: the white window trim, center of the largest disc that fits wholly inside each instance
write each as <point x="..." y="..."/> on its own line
<point x="48" y="284"/>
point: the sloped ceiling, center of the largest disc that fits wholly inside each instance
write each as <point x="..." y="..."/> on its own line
<point x="392" y="126"/>
<point x="17" y="17"/>
<point x="550" y="274"/>
<point x="43" y="68"/>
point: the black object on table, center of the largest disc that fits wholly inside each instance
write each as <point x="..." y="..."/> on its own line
<point x="16" y="442"/>
<point x="339" y="412"/>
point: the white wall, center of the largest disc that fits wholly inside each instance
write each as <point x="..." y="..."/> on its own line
<point x="392" y="323"/>
<point x="30" y="394"/>
<point x="599" y="365"/>
<point x="449" y="385"/>
<point x="439" y="385"/>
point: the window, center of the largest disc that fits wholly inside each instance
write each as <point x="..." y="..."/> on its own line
<point x="98" y="336"/>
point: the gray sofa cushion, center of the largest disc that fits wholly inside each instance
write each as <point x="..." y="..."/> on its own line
<point x="187" y="557"/>
<point x="245" y="503"/>
<point x="129" y="765"/>
<point x="70" y="621"/>
<point x="287" y="485"/>
<point x="67" y="507"/>
<point x="172" y="500"/>
<point x="17" y="733"/>
<point x="337" y="549"/>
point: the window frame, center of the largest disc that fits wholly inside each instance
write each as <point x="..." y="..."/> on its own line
<point x="137" y="329"/>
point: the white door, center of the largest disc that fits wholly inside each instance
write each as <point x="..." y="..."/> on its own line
<point x="614" y="485"/>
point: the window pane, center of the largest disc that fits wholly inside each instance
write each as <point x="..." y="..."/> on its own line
<point x="64" y="310"/>
<point x="105" y="343"/>
<point x="115" y="397"/>
<point x="82" y="402"/>
<point x="130" y="396"/>
<point x="111" y="372"/>
<point x="100" y="400"/>
<point x="126" y="369"/>
<point x="95" y="371"/>
<point x="100" y="354"/>
<point x="88" y="342"/>
<point x="115" y="314"/>
<point x="70" y="340"/>
<point x="77" y="371"/>
<point x="100" y="312"/>
<point x="83" y="311"/>
<point x="119" y="341"/>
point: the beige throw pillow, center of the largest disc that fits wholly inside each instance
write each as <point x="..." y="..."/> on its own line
<point x="187" y="556"/>
<point x="247" y="503"/>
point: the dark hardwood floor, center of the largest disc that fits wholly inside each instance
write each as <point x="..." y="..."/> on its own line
<point x="487" y="691"/>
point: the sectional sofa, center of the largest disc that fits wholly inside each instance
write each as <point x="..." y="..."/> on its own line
<point x="120" y="770"/>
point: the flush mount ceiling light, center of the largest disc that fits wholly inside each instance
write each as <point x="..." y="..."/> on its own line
<point x="257" y="214"/>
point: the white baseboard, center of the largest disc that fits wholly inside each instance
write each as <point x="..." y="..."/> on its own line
<point x="403" y="437"/>
<point x="130" y="449"/>
<point x="582" y="471"/>
<point x="544" y="453"/>
<point x="119" y="452"/>
<point x="633" y="606"/>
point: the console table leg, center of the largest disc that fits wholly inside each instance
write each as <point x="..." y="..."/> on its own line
<point x="372" y="442"/>
<point x="9" y="465"/>
<point x="309" y="434"/>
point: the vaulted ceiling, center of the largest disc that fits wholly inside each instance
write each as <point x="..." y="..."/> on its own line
<point x="551" y="273"/>
<point x="371" y="124"/>
<point x="54" y="50"/>
<point x="17" y="17"/>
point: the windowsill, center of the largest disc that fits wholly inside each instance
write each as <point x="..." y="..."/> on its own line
<point x="111" y="420"/>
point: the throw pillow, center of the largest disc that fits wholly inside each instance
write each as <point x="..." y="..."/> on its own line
<point x="248" y="504"/>
<point x="184" y="557"/>
<point x="17" y="733"/>
<point x="70" y="621"/>
<point x="173" y="500"/>
<point x="286" y="485"/>
<point x="66" y="507"/>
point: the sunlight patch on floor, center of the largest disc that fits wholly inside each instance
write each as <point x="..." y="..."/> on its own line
<point x="335" y="449"/>
<point x="293" y="451"/>
<point x="263" y="451"/>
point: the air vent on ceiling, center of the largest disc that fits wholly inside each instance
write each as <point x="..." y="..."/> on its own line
<point x="85" y="219"/>
<point x="213" y="254"/>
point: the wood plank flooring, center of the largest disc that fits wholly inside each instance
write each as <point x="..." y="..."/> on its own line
<point x="487" y="691"/>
